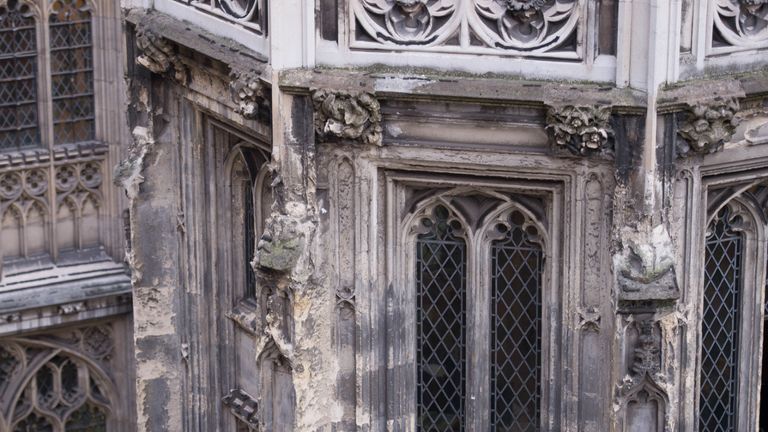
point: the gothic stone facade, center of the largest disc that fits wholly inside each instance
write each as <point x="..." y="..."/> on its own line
<point x="448" y="215"/>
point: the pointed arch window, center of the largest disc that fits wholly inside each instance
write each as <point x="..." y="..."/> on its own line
<point x="733" y="310"/>
<point x="478" y="279"/>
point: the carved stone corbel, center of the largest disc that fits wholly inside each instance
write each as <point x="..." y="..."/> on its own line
<point x="708" y="126"/>
<point x="158" y="55"/>
<point x="249" y="95"/>
<point x="581" y="129"/>
<point x="347" y="115"/>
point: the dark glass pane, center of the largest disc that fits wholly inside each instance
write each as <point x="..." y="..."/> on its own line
<point x="440" y="320"/>
<point x="72" y="72"/>
<point x="88" y="418"/>
<point x="33" y="423"/>
<point x="516" y="264"/>
<point x="720" y="327"/>
<point x="249" y="237"/>
<point x="18" y="78"/>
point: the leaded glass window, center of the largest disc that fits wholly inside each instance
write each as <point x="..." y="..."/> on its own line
<point x="720" y="326"/>
<point x="516" y="263"/>
<point x="18" y="77"/>
<point x="478" y="291"/>
<point x="72" y="71"/>
<point x="65" y="103"/>
<point x="441" y="321"/>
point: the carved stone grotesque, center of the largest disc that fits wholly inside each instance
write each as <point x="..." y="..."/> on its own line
<point x="158" y="55"/>
<point x="647" y="352"/>
<point x="348" y="115"/>
<point x="580" y="129"/>
<point x="708" y="126"/>
<point x="281" y="245"/>
<point x="645" y="266"/>
<point x="248" y="93"/>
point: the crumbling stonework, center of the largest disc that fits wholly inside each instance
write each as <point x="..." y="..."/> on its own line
<point x="282" y="215"/>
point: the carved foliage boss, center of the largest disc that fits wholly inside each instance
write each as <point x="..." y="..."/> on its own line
<point x="347" y="115"/>
<point x="536" y="26"/>
<point x="580" y="129"/>
<point x="708" y="126"/>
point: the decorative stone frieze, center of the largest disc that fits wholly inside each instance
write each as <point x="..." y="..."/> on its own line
<point x="249" y="94"/>
<point x="523" y="27"/>
<point x="347" y="115"/>
<point x="244" y="406"/>
<point x="580" y="129"/>
<point x="158" y="55"/>
<point x="707" y="126"/>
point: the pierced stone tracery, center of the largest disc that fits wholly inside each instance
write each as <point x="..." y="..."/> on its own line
<point x="740" y="24"/>
<point x="513" y="26"/>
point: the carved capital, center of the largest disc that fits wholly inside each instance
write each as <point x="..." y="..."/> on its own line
<point x="581" y="129"/>
<point x="249" y="95"/>
<point x="347" y="116"/>
<point x="707" y="126"/>
<point x="243" y="406"/>
<point x="158" y="55"/>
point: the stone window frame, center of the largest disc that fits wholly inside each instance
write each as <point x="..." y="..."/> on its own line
<point x="400" y="274"/>
<point x="97" y="347"/>
<point x="718" y="192"/>
<point x="236" y="319"/>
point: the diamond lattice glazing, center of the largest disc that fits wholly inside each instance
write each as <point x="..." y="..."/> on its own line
<point x="441" y="319"/>
<point x="720" y="328"/>
<point x="515" y="330"/>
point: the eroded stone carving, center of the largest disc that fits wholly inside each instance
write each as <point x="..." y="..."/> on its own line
<point x="248" y="93"/>
<point x="645" y="265"/>
<point x="708" y="126"/>
<point x="348" y="115"/>
<point x="580" y="129"/>
<point x="243" y="406"/>
<point x="281" y="245"/>
<point x="647" y="358"/>
<point x="158" y="55"/>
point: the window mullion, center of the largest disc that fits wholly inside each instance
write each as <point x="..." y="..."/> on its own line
<point x="478" y="335"/>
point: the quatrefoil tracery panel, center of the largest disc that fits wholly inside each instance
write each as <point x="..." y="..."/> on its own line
<point x="545" y="28"/>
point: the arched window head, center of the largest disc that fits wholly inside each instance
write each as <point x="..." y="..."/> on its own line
<point x="18" y="77"/>
<point x="72" y="71"/>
